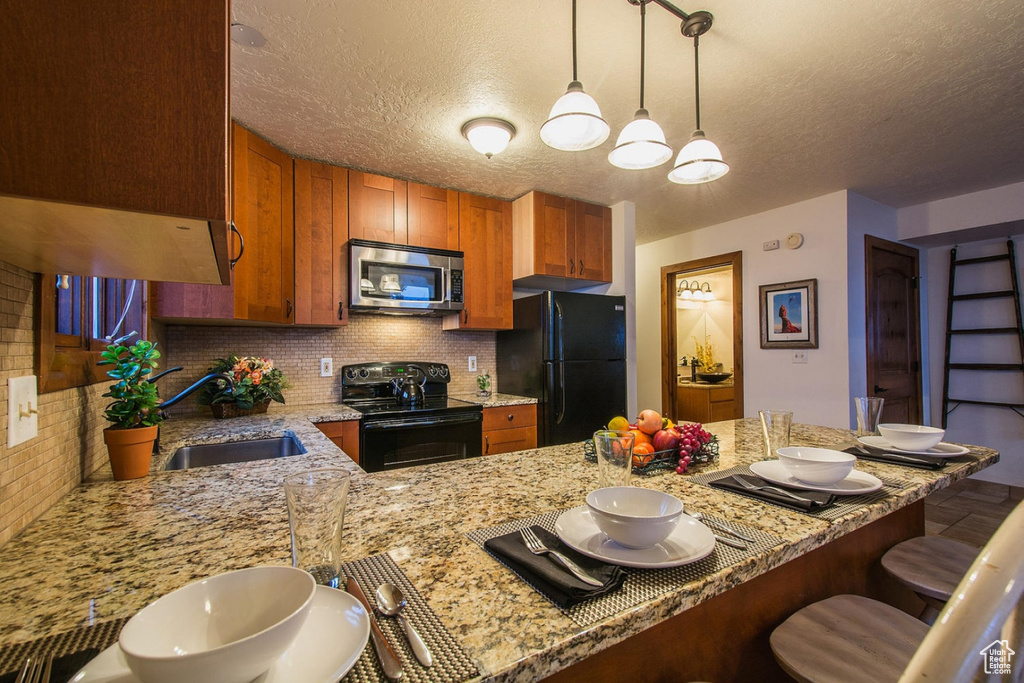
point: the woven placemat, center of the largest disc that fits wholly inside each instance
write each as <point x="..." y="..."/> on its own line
<point x="99" y="636"/>
<point x="843" y="506"/>
<point x="641" y="584"/>
<point x="450" y="662"/>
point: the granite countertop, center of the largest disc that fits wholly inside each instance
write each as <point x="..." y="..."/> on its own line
<point x="109" y="548"/>
<point x="496" y="400"/>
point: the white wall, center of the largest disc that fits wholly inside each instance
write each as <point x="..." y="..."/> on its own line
<point x="819" y="391"/>
<point x="987" y="207"/>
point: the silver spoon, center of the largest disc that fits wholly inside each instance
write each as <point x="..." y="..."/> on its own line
<point x="391" y="602"/>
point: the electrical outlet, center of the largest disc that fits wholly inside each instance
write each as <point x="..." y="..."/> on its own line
<point x="770" y="245"/>
<point x="22" y="410"/>
<point x="326" y="367"/>
<point x="799" y="356"/>
<point x="472" y="363"/>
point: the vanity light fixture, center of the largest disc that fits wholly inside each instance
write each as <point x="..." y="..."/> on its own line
<point x="683" y="290"/>
<point x="700" y="161"/>
<point x="575" y="122"/>
<point x="641" y="144"/>
<point x="488" y="135"/>
<point x="694" y="291"/>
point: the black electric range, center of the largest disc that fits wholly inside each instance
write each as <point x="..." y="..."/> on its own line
<point x="395" y="433"/>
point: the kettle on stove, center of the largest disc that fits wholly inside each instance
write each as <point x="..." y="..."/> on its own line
<point x="409" y="392"/>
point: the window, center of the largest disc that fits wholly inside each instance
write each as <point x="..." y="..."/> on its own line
<point x="73" y="315"/>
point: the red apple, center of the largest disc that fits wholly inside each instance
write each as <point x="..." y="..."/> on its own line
<point x="649" y="421"/>
<point x="666" y="440"/>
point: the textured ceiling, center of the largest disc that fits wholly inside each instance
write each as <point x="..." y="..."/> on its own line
<point x="903" y="102"/>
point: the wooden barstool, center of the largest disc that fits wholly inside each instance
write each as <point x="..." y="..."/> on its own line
<point x="931" y="567"/>
<point x="850" y="638"/>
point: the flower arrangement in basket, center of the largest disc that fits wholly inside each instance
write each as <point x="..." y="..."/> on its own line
<point x="257" y="383"/>
<point x="660" y="445"/>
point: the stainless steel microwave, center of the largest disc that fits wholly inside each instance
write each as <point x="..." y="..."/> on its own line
<point x="400" y="278"/>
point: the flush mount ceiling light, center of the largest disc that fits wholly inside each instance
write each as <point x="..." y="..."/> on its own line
<point x="575" y="122"/>
<point x="489" y="136"/>
<point x="641" y="144"/>
<point x="700" y="161"/>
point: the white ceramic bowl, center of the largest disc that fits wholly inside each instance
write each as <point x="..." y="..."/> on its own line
<point x="911" y="437"/>
<point x="228" y="628"/>
<point x="820" y="466"/>
<point x="634" y="517"/>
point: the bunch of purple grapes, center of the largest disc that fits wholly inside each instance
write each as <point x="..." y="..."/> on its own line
<point x="692" y="438"/>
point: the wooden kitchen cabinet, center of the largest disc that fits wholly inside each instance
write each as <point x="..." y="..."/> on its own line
<point x="321" y="238"/>
<point x="433" y="217"/>
<point x="344" y="434"/>
<point x="705" y="403"/>
<point x="485" y="237"/>
<point x="509" y="428"/>
<point x="377" y="208"/>
<point x="114" y="130"/>
<point x="561" y="243"/>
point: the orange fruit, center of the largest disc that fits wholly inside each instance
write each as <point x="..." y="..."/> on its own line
<point x="640" y="438"/>
<point x="643" y="449"/>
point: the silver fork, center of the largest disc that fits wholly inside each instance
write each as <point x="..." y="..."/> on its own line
<point x="752" y="487"/>
<point x="537" y="547"/>
<point x="36" y="670"/>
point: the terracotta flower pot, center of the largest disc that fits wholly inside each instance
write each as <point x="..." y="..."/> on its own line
<point x="223" y="410"/>
<point x="130" y="450"/>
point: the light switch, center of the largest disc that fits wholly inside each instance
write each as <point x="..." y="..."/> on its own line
<point x="472" y="363"/>
<point x="22" y="410"/>
<point x="326" y="367"/>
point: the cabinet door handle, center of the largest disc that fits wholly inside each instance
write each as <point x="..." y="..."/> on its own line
<point x="880" y="390"/>
<point x="288" y="308"/>
<point x="241" y="245"/>
<point x="581" y="267"/>
<point x="572" y="267"/>
<point x="341" y="310"/>
<point x="465" y="316"/>
<point x="487" y="444"/>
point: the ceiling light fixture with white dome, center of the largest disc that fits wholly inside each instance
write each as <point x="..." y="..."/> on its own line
<point x="700" y="161"/>
<point x="488" y="135"/>
<point x="641" y="144"/>
<point x="575" y="123"/>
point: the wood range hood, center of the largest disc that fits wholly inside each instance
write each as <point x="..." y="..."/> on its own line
<point x="114" y="139"/>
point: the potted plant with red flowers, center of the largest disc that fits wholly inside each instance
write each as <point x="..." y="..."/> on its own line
<point x="257" y="383"/>
<point x="134" y="412"/>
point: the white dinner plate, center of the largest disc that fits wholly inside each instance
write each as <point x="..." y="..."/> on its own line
<point x="855" y="484"/>
<point x="940" y="450"/>
<point x="689" y="541"/>
<point x="328" y="645"/>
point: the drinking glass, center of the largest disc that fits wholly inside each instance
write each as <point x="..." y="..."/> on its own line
<point x="316" y="516"/>
<point x="775" y="425"/>
<point x="614" y="457"/>
<point x="869" y="413"/>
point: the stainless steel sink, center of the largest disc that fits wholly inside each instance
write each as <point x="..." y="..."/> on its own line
<point x="237" y="451"/>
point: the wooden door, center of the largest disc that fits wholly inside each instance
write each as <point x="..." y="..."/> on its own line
<point x="433" y="217"/>
<point x="554" y="235"/>
<point x="263" y="186"/>
<point x="377" y="208"/>
<point x="321" y="237"/>
<point x="893" y="329"/>
<point x="593" y="242"/>
<point x="485" y="237"/>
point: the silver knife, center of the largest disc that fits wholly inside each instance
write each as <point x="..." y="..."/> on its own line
<point x="729" y="541"/>
<point x="388" y="659"/>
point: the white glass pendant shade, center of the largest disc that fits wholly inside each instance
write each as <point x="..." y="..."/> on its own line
<point x="489" y="136"/>
<point x="700" y="161"/>
<point x="575" y="122"/>
<point x="641" y="144"/>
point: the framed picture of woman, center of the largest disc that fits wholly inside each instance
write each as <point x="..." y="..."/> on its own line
<point x="789" y="315"/>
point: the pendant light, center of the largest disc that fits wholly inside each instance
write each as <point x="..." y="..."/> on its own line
<point x="700" y="161"/>
<point x="575" y="122"/>
<point x="641" y="143"/>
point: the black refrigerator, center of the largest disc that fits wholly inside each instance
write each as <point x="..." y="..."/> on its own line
<point x="568" y="351"/>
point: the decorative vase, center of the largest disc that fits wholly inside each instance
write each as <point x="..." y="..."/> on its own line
<point x="130" y="451"/>
<point x="224" y="410"/>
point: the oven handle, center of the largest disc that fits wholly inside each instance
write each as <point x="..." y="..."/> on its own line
<point x="433" y="422"/>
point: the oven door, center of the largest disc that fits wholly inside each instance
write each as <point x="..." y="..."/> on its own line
<point x="389" y="444"/>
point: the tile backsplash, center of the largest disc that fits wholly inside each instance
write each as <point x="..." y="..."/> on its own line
<point x="297" y="352"/>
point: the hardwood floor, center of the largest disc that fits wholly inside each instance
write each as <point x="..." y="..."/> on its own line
<point x="970" y="510"/>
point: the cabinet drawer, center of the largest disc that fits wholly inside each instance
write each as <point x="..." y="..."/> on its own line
<point x="723" y="394"/>
<point x="506" y="417"/>
<point x="722" y="410"/>
<point x="508" y="440"/>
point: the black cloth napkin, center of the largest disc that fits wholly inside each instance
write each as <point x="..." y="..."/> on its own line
<point x="550" y="578"/>
<point x="63" y="668"/>
<point x="812" y="500"/>
<point x="879" y="455"/>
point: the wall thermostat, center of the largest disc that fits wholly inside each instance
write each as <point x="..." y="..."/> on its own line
<point x="794" y="240"/>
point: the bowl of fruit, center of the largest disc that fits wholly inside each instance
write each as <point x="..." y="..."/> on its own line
<point x="659" y="444"/>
